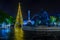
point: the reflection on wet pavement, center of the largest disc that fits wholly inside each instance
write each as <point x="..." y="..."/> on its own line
<point x="18" y="33"/>
<point x="12" y="34"/>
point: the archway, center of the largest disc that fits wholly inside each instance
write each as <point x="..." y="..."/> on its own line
<point x="37" y="19"/>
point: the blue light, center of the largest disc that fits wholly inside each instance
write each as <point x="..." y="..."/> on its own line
<point x="58" y="24"/>
<point x="3" y="24"/>
<point x="25" y="22"/>
<point x="55" y="23"/>
<point x="5" y="32"/>
<point x="28" y="14"/>
<point x="32" y="22"/>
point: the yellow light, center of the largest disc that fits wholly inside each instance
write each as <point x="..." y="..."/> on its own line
<point x="18" y="29"/>
<point x="18" y="34"/>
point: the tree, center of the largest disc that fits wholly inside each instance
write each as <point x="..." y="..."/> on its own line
<point x="10" y="20"/>
<point x="3" y="16"/>
<point x="52" y="20"/>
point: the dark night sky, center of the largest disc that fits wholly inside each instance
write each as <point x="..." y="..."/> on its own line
<point x="10" y="6"/>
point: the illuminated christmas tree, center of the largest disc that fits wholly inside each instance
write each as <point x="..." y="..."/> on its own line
<point x="19" y="24"/>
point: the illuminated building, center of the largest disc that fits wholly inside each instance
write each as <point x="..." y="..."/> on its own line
<point x="18" y="25"/>
<point x="29" y="16"/>
<point x="28" y="22"/>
